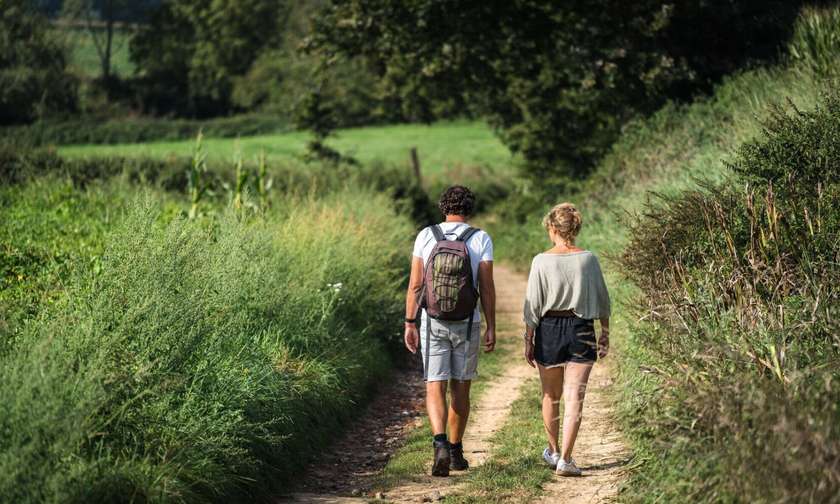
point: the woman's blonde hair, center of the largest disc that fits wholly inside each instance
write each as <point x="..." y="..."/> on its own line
<point x="565" y="220"/>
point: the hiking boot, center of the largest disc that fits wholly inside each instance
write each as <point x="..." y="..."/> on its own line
<point x="442" y="459"/>
<point x="567" y="468"/>
<point x="551" y="458"/>
<point x="459" y="463"/>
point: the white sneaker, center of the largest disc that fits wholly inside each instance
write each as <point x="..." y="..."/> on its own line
<point x="567" y="468"/>
<point x="551" y="458"/>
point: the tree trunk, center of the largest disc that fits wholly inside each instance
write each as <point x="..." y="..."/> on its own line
<point x="109" y="39"/>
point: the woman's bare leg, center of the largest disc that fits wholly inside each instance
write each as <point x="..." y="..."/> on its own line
<point x="574" y="391"/>
<point x="552" y="389"/>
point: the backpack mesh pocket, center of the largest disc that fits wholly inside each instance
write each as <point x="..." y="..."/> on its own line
<point x="446" y="280"/>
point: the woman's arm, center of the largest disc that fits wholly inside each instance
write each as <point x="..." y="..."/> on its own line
<point x="604" y="338"/>
<point x="529" y="346"/>
<point x="533" y="311"/>
<point x="534" y="298"/>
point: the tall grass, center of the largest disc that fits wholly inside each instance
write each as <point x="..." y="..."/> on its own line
<point x="816" y="40"/>
<point x="51" y="228"/>
<point x="739" y="351"/>
<point x="202" y="362"/>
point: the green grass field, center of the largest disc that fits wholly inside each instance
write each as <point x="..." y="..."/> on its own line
<point x="447" y="147"/>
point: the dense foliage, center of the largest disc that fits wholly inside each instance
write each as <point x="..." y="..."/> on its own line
<point x="91" y="130"/>
<point x="34" y="81"/>
<point x="190" y="52"/>
<point x="746" y="358"/>
<point x="557" y="78"/>
<point x="148" y="357"/>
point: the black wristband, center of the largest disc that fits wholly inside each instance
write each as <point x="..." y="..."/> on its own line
<point x="411" y="321"/>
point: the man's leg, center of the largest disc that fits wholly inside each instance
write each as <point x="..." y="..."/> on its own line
<point x="436" y="405"/>
<point x="438" y="371"/>
<point x="459" y="409"/>
<point x="464" y="366"/>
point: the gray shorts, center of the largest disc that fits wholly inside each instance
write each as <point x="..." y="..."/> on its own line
<point x="450" y="355"/>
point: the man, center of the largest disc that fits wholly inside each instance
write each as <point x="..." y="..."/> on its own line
<point x="449" y="347"/>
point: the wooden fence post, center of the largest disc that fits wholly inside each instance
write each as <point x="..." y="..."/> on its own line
<point x="415" y="164"/>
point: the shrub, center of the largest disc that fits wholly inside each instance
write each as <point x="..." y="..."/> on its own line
<point x="137" y="130"/>
<point x="202" y="363"/>
<point x="741" y="339"/>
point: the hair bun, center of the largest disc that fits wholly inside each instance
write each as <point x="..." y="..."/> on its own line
<point x="565" y="220"/>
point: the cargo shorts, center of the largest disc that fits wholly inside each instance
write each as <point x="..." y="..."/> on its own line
<point x="449" y="355"/>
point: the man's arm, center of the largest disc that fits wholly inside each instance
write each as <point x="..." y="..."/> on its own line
<point x="487" y="288"/>
<point x="415" y="283"/>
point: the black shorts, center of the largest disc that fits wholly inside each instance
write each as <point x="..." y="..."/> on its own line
<point x="559" y="340"/>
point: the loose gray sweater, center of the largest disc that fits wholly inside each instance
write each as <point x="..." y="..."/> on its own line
<point x="566" y="282"/>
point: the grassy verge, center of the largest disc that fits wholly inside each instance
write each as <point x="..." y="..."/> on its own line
<point x="175" y="360"/>
<point x="515" y="471"/>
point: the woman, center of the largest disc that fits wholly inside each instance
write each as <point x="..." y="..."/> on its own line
<point x="566" y="292"/>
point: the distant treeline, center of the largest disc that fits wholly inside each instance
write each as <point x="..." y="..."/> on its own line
<point x="557" y="80"/>
<point x="53" y="8"/>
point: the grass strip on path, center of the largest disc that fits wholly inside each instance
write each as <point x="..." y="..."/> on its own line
<point x="515" y="471"/>
<point x="409" y="462"/>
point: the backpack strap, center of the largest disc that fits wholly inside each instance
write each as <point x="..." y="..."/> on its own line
<point x="437" y="232"/>
<point x="467" y="234"/>
<point x="428" y="342"/>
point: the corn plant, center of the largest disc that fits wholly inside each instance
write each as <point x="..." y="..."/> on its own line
<point x="263" y="182"/>
<point x="198" y="166"/>
<point x="241" y="178"/>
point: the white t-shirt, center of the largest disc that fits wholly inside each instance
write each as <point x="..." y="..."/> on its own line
<point x="480" y="247"/>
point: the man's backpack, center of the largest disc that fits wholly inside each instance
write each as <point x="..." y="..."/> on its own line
<point x="449" y="291"/>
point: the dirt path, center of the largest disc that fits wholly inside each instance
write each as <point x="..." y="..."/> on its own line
<point x="396" y="411"/>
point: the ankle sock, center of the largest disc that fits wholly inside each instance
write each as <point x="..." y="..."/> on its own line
<point x="440" y="437"/>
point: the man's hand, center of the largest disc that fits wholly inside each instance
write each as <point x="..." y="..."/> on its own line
<point x="603" y="343"/>
<point x="489" y="339"/>
<point x="412" y="337"/>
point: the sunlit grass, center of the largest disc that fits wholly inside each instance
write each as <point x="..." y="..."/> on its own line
<point x="442" y="147"/>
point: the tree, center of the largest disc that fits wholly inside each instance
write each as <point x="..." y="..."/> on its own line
<point x="556" y="79"/>
<point x="33" y="66"/>
<point x="191" y="51"/>
<point x="101" y="18"/>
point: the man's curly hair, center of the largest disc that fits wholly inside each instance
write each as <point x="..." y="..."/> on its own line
<point x="457" y="200"/>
